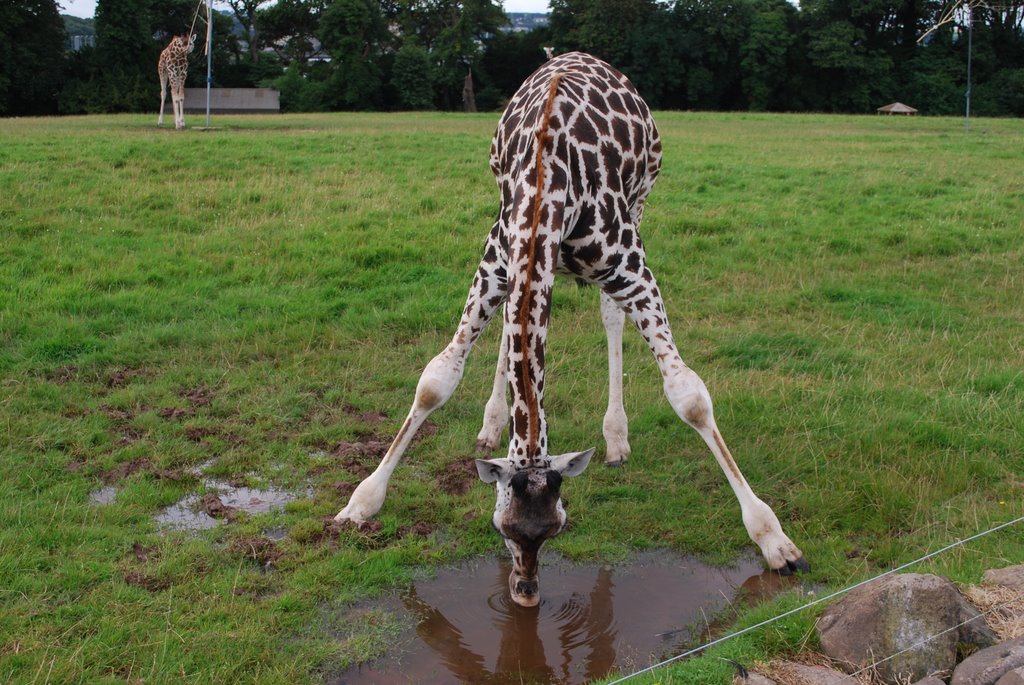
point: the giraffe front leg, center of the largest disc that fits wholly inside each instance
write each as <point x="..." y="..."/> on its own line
<point x="496" y="409"/>
<point x="163" y="99"/>
<point x="691" y="401"/>
<point x="616" y="426"/>
<point x="637" y="293"/>
<point x="179" y="108"/>
<point x="438" y="380"/>
<point x="436" y="385"/>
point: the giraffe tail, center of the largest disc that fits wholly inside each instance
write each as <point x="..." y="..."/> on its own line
<point x="527" y="302"/>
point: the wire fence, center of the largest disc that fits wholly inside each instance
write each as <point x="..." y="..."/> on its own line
<point x="826" y="598"/>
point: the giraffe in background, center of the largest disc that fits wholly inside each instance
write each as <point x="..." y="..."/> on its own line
<point x="173" y="67"/>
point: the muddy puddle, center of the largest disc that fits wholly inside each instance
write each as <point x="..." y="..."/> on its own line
<point x="220" y="502"/>
<point x="592" y="619"/>
<point x="217" y="501"/>
<point x="104" y="495"/>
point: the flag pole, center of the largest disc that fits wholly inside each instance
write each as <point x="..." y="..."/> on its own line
<point x="209" y="60"/>
<point x="967" y="95"/>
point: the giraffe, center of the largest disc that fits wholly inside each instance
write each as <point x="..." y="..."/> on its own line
<point x="173" y="67"/>
<point x="575" y="155"/>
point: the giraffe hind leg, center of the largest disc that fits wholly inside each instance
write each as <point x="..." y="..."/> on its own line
<point x="616" y="426"/>
<point x="496" y="410"/>
<point x="178" y="100"/>
<point x="163" y="98"/>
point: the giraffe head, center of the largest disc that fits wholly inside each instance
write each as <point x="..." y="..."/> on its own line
<point x="529" y="512"/>
<point x="185" y="43"/>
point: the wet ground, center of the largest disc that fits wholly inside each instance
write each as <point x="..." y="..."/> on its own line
<point x="104" y="495"/>
<point x="592" y="619"/>
<point x="217" y="501"/>
<point x="220" y="502"/>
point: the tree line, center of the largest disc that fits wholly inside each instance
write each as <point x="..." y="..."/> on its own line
<point x="764" y="55"/>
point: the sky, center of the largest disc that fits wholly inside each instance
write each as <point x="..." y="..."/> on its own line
<point x="87" y="8"/>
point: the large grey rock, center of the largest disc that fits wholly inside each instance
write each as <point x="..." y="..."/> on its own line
<point x="989" y="665"/>
<point x="815" y="675"/>
<point x="930" y="680"/>
<point x="1014" y="677"/>
<point x="1011" y="577"/>
<point x="902" y="612"/>
<point x="756" y="679"/>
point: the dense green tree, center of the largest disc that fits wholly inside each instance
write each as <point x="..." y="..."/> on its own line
<point x="933" y="78"/>
<point x="765" y="54"/>
<point x="508" y="58"/>
<point x="124" y="32"/>
<point x="31" y="57"/>
<point x="123" y="78"/>
<point x="353" y="33"/>
<point x="662" y="52"/>
<point x="601" y="27"/>
<point x="247" y="14"/>
<point x="453" y="33"/>
<point x="830" y="55"/>
<point x="290" y="27"/>
<point x="412" y="77"/>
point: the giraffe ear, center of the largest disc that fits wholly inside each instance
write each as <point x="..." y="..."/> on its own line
<point x="571" y="464"/>
<point x="493" y="470"/>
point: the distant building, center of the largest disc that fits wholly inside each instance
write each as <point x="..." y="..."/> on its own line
<point x="76" y="43"/>
<point x="525" y="21"/>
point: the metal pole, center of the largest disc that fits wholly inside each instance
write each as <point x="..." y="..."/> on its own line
<point x="970" y="31"/>
<point x="209" y="59"/>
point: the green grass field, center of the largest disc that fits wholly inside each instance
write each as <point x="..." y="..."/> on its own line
<point x="850" y="288"/>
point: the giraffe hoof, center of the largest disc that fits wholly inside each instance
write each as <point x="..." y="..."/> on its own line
<point x="485" y="446"/>
<point x="615" y="463"/>
<point x="801" y="565"/>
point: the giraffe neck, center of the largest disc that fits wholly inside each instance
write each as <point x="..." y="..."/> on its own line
<point x="525" y="368"/>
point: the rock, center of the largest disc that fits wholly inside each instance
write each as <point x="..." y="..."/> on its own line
<point x="815" y="675"/>
<point x="1014" y="677"/>
<point x="930" y="680"/>
<point x="1011" y="577"/>
<point x="755" y="679"/>
<point x="989" y="665"/>
<point x="895" y="613"/>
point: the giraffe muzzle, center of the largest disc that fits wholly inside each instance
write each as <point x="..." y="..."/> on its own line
<point x="525" y="592"/>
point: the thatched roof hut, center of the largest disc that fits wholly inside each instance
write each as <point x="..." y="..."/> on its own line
<point x="897" y="108"/>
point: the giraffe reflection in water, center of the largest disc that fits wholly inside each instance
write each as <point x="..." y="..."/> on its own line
<point x="521" y="655"/>
<point x="469" y="631"/>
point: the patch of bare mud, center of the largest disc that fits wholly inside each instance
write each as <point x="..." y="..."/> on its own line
<point x="364" y="446"/>
<point x="121" y="377"/>
<point x="141" y="579"/>
<point x="261" y="550"/>
<point x="123" y="431"/>
<point x="62" y="375"/>
<point x="126" y="469"/>
<point x="371" y="533"/>
<point x="371" y="418"/>
<point x="197" y="397"/>
<point x="201" y="433"/>
<point x="457" y="477"/>
<point x="107" y="493"/>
